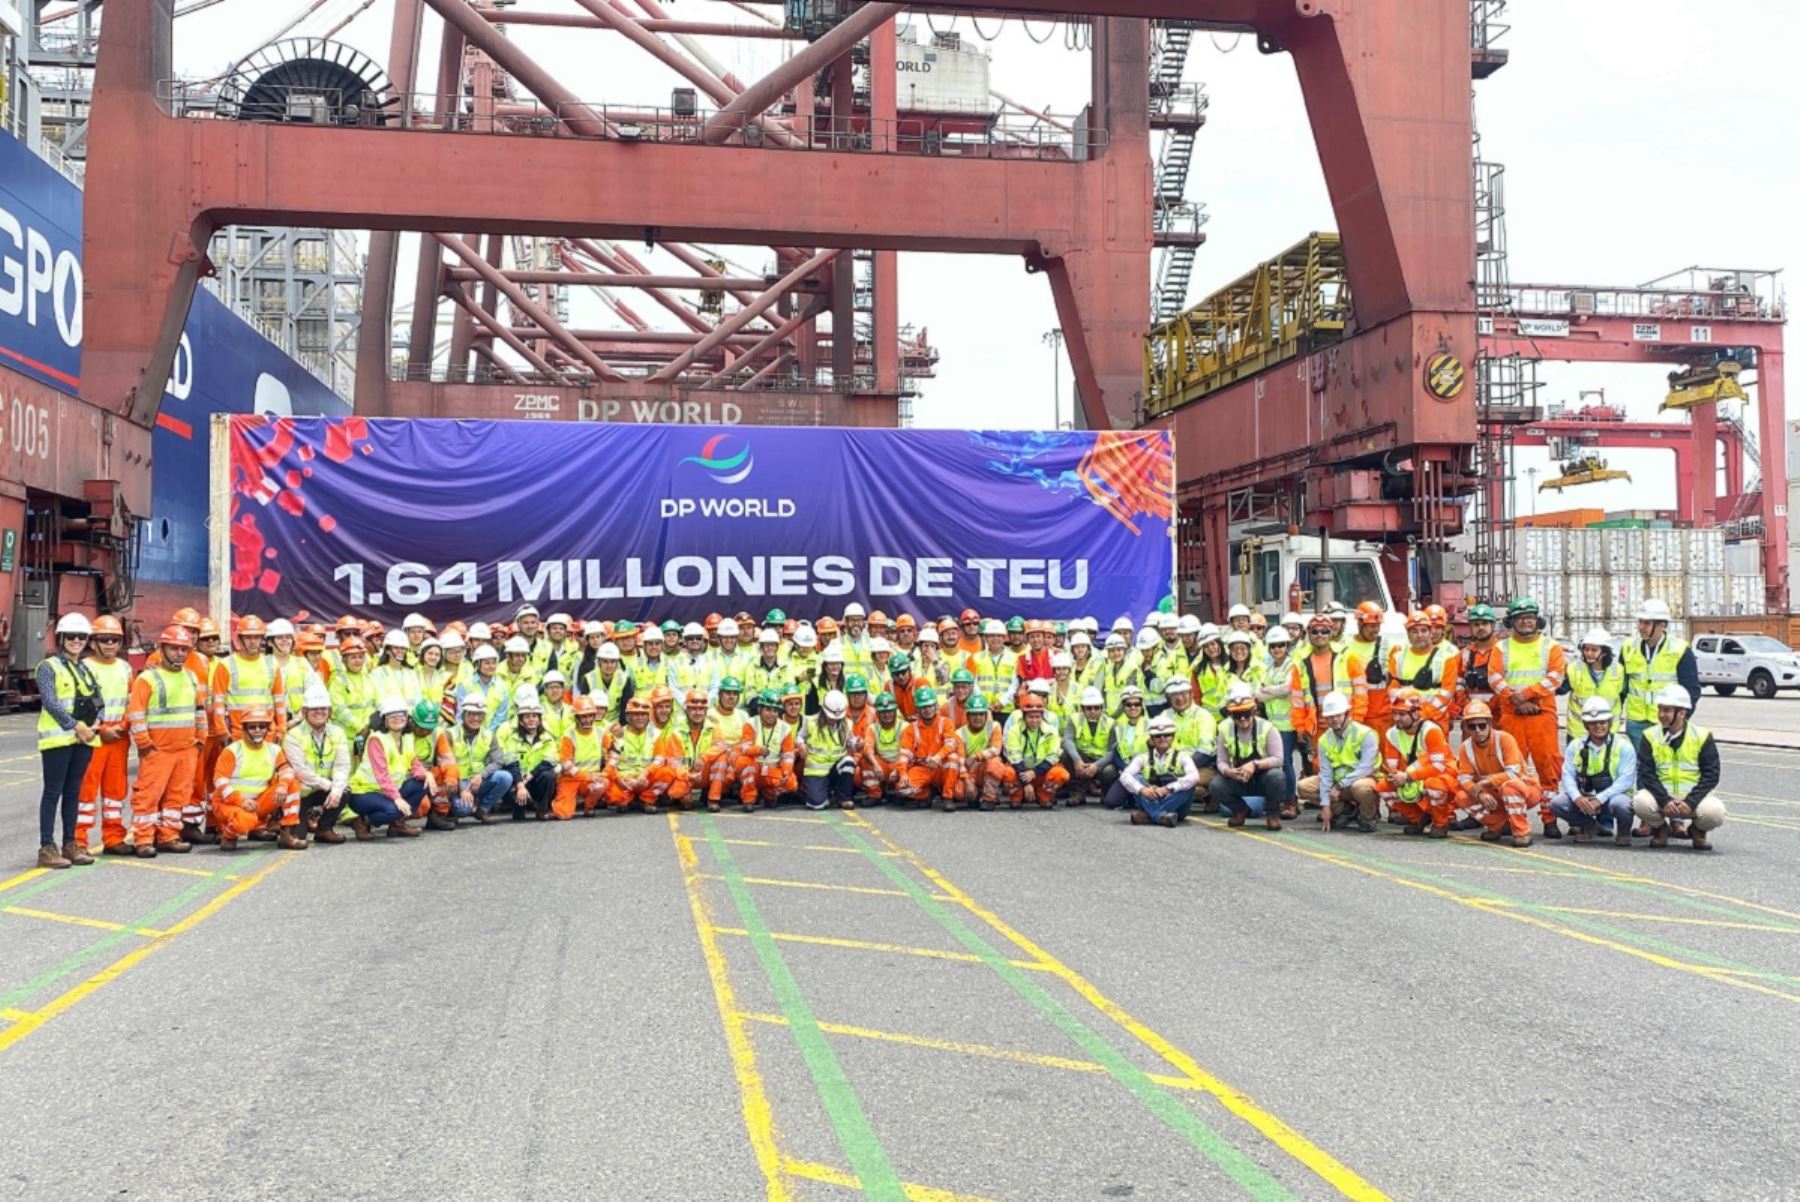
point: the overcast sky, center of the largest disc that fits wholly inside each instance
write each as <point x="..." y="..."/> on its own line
<point x="1639" y="137"/>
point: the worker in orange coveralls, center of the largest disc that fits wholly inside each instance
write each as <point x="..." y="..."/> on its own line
<point x="1367" y="647"/>
<point x="252" y="784"/>
<point x="930" y="755"/>
<point x="771" y="772"/>
<point x="1418" y="776"/>
<point x="1427" y="665"/>
<point x="105" y="784"/>
<point x="1031" y="766"/>
<point x="979" y="747"/>
<point x="734" y="752"/>
<point x="582" y="783"/>
<point x="1495" y="783"/>
<point x="188" y="801"/>
<point x="218" y="733"/>
<point x="634" y="774"/>
<point x="1526" y="670"/>
<point x="684" y="750"/>
<point x="167" y="719"/>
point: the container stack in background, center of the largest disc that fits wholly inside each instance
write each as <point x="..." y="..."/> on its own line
<point x="1600" y="575"/>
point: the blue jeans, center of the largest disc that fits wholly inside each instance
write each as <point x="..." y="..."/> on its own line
<point x="379" y="811"/>
<point x="63" y="769"/>
<point x="1615" y="811"/>
<point x="1290" y="747"/>
<point x="495" y="786"/>
<point x="1177" y="803"/>
<point x="821" y="791"/>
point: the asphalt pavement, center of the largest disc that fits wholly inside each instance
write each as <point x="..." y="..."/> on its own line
<point x="1036" y="1006"/>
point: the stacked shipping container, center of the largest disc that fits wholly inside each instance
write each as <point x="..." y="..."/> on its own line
<point x="1600" y="577"/>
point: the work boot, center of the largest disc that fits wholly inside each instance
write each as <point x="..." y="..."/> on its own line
<point x="1235" y="820"/>
<point x="327" y="834"/>
<point x="174" y="847"/>
<point x="1139" y="818"/>
<point x="482" y="817"/>
<point x="1552" y="830"/>
<point x="1364" y="826"/>
<point x="1209" y="806"/>
<point x="76" y="854"/>
<point x="1438" y="832"/>
<point x="262" y="834"/>
<point x="1582" y="834"/>
<point x="118" y="849"/>
<point x="1487" y="836"/>
<point x="1660" y="836"/>
<point x="1466" y="824"/>
<point x="1289" y="812"/>
<point x="145" y="851"/>
<point x="1623" y="837"/>
<point x="1170" y="821"/>
<point x="227" y="842"/>
<point x="1525" y="840"/>
<point x="192" y="834"/>
<point x="1272" y="821"/>
<point x="439" y="822"/>
<point x="361" y="829"/>
<point x="290" y="840"/>
<point x="1413" y="828"/>
<point x="1700" y="841"/>
<point x="50" y="857"/>
<point x="399" y="830"/>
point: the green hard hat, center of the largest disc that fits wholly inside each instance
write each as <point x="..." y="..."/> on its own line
<point x="1481" y="611"/>
<point x="900" y="662"/>
<point x="885" y="701"/>
<point x="924" y="695"/>
<point x="1015" y="625"/>
<point x="731" y="684"/>
<point x="856" y="682"/>
<point x="1062" y="628"/>
<point x="671" y="627"/>
<point x="776" y="617"/>
<point x="1410" y="790"/>
<point x="962" y="676"/>
<point x="977" y="704"/>
<point x="1521" y="606"/>
<point x="768" y="697"/>
<point x="425" y="715"/>
<point x="625" y="627"/>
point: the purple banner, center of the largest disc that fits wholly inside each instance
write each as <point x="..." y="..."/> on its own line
<point x="473" y="518"/>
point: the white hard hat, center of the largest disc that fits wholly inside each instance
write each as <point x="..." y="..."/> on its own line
<point x="1040" y="686"/>
<point x="1121" y="623"/>
<point x="1238" y="638"/>
<point x="804" y="637"/>
<point x="517" y="646"/>
<point x="472" y="703"/>
<point x="1208" y="634"/>
<point x="834" y="704"/>
<point x="1113" y="640"/>
<point x="877" y="646"/>
<point x="833" y="654"/>
<point x="1596" y="637"/>
<point x="693" y="630"/>
<point x="73" y="624"/>
<point x="607" y="651"/>
<point x="993" y="626"/>
<point x="1338" y="609"/>
<point x="592" y="627"/>
<point x="929" y="635"/>
<point x="1653" y="610"/>
<point x="395" y="638"/>
<point x="1278" y="636"/>
<point x="1599" y="709"/>
<point x="485" y="651"/>
<point x="1675" y="695"/>
<point x="1334" y="704"/>
<point x="1130" y="690"/>
<point x="1162" y="724"/>
<point x="1091" y="696"/>
<point x="1189" y="624"/>
<point x="316" y="697"/>
<point x="1153" y="618"/>
<point x="1062" y="659"/>
<point x="1080" y="639"/>
<point x="768" y="634"/>
<point x="1238" y="611"/>
<point x="728" y="628"/>
<point x="431" y="640"/>
<point x="450" y="639"/>
<point x="600" y="699"/>
<point x="1290" y="618"/>
<point x="525" y="697"/>
<point x="394" y="705"/>
<point x="559" y="619"/>
<point x="1148" y="638"/>
<point x="1239" y="691"/>
<point x="480" y="631"/>
<point x="412" y="620"/>
<point x="279" y="627"/>
<point x="527" y="608"/>
<point x="854" y="610"/>
<point x="1180" y="684"/>
<point x="554" y="677"/>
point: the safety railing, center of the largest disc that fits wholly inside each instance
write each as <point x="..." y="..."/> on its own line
<point x="1720" y="296"/>
<point x="1005" y="136"/>
<point x="1178" y="221"/>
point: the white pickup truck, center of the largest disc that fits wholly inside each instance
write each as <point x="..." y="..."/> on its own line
<point x="1757" y="662"/>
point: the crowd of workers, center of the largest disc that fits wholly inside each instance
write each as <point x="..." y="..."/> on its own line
<point x="286" y="732"/>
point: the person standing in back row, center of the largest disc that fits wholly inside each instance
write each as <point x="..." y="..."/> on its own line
<point x="65" y="738"/>
<point x="1526" y="671"/>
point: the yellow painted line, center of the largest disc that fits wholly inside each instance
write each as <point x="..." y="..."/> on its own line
<point x="759" y="1119"/>
<point x="28" y="875"/>
<point x="155" y="866"/>
<point x="1583" y="866"/>
<point x="892" y="949"/>
<point x="1485" y="906"/>
<point x="1496" y="868"/>
<point x="1333" y="1171"/>
<point x="760" y="816"/>
<point x="1692" y="922"/>
<point x="845" y="851"/>
<point x="779" y="882"/>
<point x="98" y="924"/>
<point x="13" y="1016"/>
<point x="118" y="968"/>
<point x="826" y="1175"/>
<point x="1778" y="826"/>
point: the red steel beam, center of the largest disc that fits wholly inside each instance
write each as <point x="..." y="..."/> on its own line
<point x="376" y="324"/>
<point x="507" y="16"/>
<point x="613" y="279"/>
<point x="521" y="66"/>
<point x="744" y="316"/>
<point x="754" y="100"/>
<point x="493" y="326"/>
<point x="525" y="305"/>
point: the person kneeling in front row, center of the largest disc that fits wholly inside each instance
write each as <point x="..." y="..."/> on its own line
<point x="1161" y="780"/>
<point x="1249" y="761"/>
<point x="1677" y="770"/>
<point x="1599" y="777"/>
<point x="1345" y="784"/>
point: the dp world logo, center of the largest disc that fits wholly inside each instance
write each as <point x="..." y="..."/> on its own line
<point x="725" y="469"/>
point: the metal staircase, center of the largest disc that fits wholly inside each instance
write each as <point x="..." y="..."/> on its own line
<point x="1177" y="109"/>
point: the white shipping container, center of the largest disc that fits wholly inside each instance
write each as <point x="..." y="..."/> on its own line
<point x="1705" y="550"/>
<point x="1743" y="558"/>
<point x="1667" y="587"/>
<point x="1546" y="588"/>
<point x="1665" y="551"/>
<point x="1541" y="550"/>
<point x="1625" y="551"/>
<point x="1705" y="595"/>
<point x="1624" y="597"/>
<point x="1584" y="551"/>
<point x="1679" y="629"/>
<point x="1586" y="594"/>
<point x="1746" y="595"/>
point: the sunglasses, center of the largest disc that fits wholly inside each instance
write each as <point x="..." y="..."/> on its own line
<point x="1134" y="702"/>
<point x="108" y="638"/>
<point x="1475" y="725"/>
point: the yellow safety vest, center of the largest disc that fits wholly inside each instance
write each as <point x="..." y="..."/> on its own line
<point x="1242" y="752"/>
<point x="1582" y="685"/>
<point x="352" y="700"/>
<point x="1279" y="710"/>
<point x="321" y="758"/>
<point x="49" y="734"/>
<point x="1649" y="676"/>
<point x="770" y="737"/>
<point x="401" y="755"/>
<point x="470" y="753"/>
<point x="255" y="768"/>
<point x="1343" y="751"/>
<point x="115" y="687"/>
<point x="646" y="674"/>
<point x="528" y="755"/>
<point x="1132" y="738"/>
<point x="1091" y="741"/>
<point x="173" y="700"/>
<point x="1678" y="767"/>
<point x="590" y="750"/>
<point x="1525" y="662"/>
<point x="1195" y="729"/>
<point x="824" y="747"/>
<point x="635" y="749"/>
<point x="887" y="739"/>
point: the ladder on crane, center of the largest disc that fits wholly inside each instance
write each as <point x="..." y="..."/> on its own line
<point x="1176" y="220"/>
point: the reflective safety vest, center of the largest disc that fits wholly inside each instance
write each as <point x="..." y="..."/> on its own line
<point x="1582" y="685"/>
<point x="1132" y="737"/>
<point x="115" y="687"/>
<point x="527" y="754"/>
<point x="1211" y="680"/>
<point x="1526" y="662"/>
<point x="1243" y="751"/>
<point x="401" y="755"/>
<point x="759" y="676"/>
<point x="352" y="700"/>
<point x="856" y="655"/>
<point x="987" y="671"/>
<point x="1062" y="704"/>
<point x="321" y="755"/>
<point x="1161" y="770"/>
<point x="1649" y="676"/>
<point x="1279" y="710"/>
<point x="589" y="749"/>
<point x="769" y="738"/>
<point x="395" y="681"/>
<point x="1195" y="729"/>
<point x="613" y="690"/>
<point x="1345" y="750"/>
<point x="1595" y="778"/>
<point x="1374" y="658"/>
<point x="250" y="683"/>
<point x="470" y="753"/>
<point x="255" y="769"/>
<point x="1423" y="670"/>
<point x="1408" y="745"/>
<point x="635" y="750"/>
<point x="493" y="695"/>
<point x="1092" y="741"/>
<point x="559" y="719"/>
<point x="976" y="742"/>
<point x="1113" y="678"/>
<point x="1163" y="663"/>
<point x="1677" y="765"/>
<point x="690" y="674"/>
<point x="1341" y="681"/>
<point x="71" y="678"/>
<point x="646" y="674"/>
<point x="296" y="674"/>
<point x="824" y="746"/>
<point x="887" y="739"/>
<point x="1028" y="747"/>
<point x="173" y="696"/>
<point x="564" y="659"/>
<point x="433" y="683"/>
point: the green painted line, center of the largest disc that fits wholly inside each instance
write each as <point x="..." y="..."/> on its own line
<point x="13" y="897"/>
<point x="868" y="1160"/>
<point x="1249" y="1175"/>
<point x="128" y="931"/>
<point x="1633" y="938"/>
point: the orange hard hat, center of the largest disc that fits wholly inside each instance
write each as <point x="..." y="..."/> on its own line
<point x="905" y="622"/>
<point x="712" y="622"/>
<point x="311" y="642"/>
<point x="1438" y="614"/>
<point x="1319" y="622"/>
<point x="1477" y="709"/>
<point x="584" y="707"/>
<point x="177" y="636"/>
<point x="209" y="629"/>
<point x="877" y="618"/>
<point x="251" y="625"/>
<point x="660" y="694"/>
<point x="348" y="623"/>
<point x="1031" y="702"/>
<point x="947" y="625"/>
<point x="1406" y="700"/>
<point x="352" y="646"/>
<point x="188" y="617"/>
<point x="257" y="717"/>
<point x="1417" y="618"/>
<point x="314" y="628"/>
<point x="695" y="697"/>
<point x="788" y="627"/>
<point x="1368" y="611"/>
<point x="107" y="624"/>
<point x="826" y="626"/>
<point x="969" y="615"/>
<point x="637" y="705"/>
